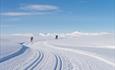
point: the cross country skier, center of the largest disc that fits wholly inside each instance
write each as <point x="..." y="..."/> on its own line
<point x="56" y="37"/>
<point x="31" y="39"/>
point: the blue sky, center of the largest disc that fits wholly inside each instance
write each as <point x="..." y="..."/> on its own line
<point x="18" y="16"/>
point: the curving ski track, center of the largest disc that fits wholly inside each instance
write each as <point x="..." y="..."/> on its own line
<point x="34" y="62"/>
<point x="58" y="65"/>
<point x="42" y="55"/>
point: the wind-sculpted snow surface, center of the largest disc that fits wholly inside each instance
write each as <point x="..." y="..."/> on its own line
<point x="52" y="55"/>
<point x="44" y="56"/>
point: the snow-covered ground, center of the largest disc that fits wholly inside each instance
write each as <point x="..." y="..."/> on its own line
<point x="72" y="51"/>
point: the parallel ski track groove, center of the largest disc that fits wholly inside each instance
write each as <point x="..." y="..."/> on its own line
<point x="36" y="62"/>
<point x="55" y="67"/>
<point x="58" y="63"/>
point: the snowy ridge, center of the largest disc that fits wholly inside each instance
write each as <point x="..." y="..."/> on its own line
<point x="19" y="52"/>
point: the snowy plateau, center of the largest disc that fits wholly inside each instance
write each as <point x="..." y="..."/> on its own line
<point x="71" y="51"/>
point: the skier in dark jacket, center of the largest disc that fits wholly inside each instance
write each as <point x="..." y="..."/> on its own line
<point x="31" y="39"/>
<point x="56" y="37"/>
